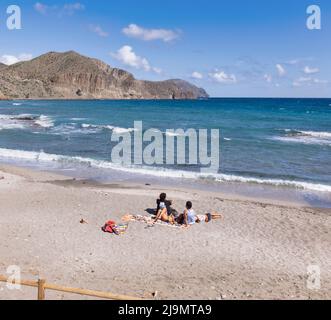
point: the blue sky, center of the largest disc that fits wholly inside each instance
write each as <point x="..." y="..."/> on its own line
<point x="234" y="48"/>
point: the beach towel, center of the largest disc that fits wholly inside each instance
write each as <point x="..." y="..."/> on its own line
<point x="120" y="229"/>
<point x="148" y="220"/>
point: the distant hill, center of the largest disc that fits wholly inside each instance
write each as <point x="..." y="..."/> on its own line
<point x="70" y="75"/>
<point x="2" y="66"/>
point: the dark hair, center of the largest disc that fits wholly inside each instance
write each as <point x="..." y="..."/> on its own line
<point x="189" y="205"/>
<point x="163" y="196"/>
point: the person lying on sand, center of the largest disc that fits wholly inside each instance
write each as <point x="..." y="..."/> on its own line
<point x="164" y="212"/>
<point x="189" y="217"/>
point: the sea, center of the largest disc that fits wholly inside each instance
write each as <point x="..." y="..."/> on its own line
<point x="277" y="149"/>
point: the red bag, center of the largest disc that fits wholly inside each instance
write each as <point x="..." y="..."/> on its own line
<point x="108" y="227"/>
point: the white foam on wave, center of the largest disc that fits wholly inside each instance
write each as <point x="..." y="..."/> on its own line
<point x="158" y="172"/>
<point x="72" y="128"/>
<point x="44" y="122"/>
<point x="324" y="135"/>
<point x="171" y="134"/>
<point x="118" y="130"/>
<point x="24" y="121"/>
<point x="8" y="122"/>
<point x="11" y="126"/>
<point x="304" y="140"/>
<point x="306" y="137"/>
<point x="277" y="183"/>
<point x="17" y="104"/>
<point x="316" y="134"/>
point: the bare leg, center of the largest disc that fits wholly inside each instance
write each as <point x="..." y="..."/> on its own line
<point x="158" y="216"/>
<point x="216" y="216"/>
<point x="171" y="219"/>
<point x="161" y="215"/>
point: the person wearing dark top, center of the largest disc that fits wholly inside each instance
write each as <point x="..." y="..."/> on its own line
<point x="164" y="212"/>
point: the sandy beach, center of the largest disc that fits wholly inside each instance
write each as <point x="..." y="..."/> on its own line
<point x="259" y="251"/>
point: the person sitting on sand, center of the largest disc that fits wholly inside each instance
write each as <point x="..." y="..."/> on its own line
<point x="164" y="212"/>
<point x="189" y="217"/>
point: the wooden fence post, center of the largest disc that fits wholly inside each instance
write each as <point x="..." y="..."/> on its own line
<point x="41" y="289"/>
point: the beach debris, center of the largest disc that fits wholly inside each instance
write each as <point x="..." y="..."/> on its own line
<point x="2" y="178"/>
<point x="112" y="227"/>
<point x="82" y="221"/>
<point x="155" y="294"/>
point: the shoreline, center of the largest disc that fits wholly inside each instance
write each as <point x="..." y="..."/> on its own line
<point x="259" y="250"/>
<point x="76" y="182"/>
<point x="233" y="189"/>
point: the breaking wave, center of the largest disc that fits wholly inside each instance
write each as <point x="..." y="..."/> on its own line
<point x="107" y="127"/>
<point x="24" y="121"/>
<point x="306" y="137"/>
<point x="43" y="157"/>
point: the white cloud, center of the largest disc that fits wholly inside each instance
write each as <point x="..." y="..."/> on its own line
<point x="138" y="32"/>
<point x="41" y="8"/>
<point x="98" y="30"/>
<point x="67" y="9"/>
<point x="281" y="70"/>
<point x="293" y="61"/>
<point x="71" y="8"/>
<point x="222" y="77"/>
<point x="10" y="59"/>
<point x="308" y="81"/>
<point x="268" y="78"/>
<point x="319" y="81"/>
<point x="304" y="79"/>
<point x="309" y="70"/>
<point x="128" y="57"/>
<point x="196" y="75"/>
<point x="157" y="70"/>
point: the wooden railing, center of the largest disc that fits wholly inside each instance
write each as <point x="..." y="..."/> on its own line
<point x="42" y="285"/>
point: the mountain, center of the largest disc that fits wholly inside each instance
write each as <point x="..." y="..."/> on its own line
<point x="70" y="75"/>
<point x="2" y="96"/>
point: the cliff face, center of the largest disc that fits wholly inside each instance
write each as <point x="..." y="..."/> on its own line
<point x="72" y="76"/>
<point x="2" y="96"/>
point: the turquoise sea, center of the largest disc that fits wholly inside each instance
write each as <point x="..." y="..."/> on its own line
<point x="270" y="148"/>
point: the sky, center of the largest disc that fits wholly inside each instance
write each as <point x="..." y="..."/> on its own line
<point x="234" y="48"/>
